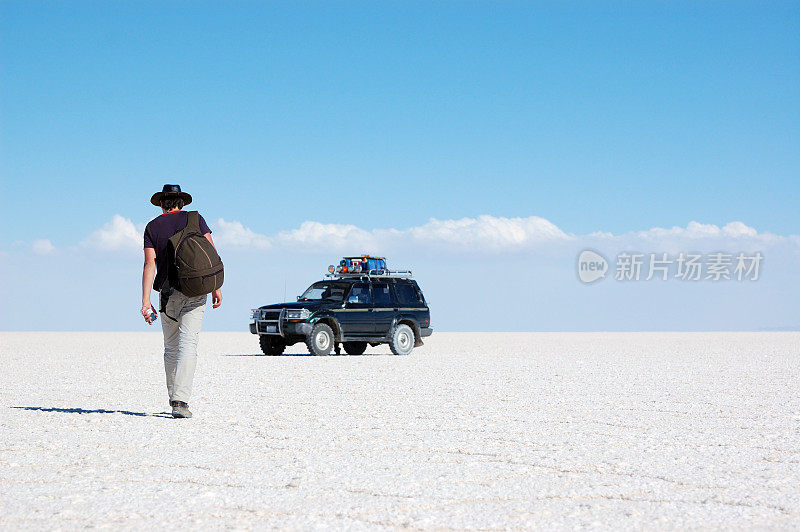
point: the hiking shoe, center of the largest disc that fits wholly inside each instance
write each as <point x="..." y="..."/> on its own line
<point x="180" y="410"/>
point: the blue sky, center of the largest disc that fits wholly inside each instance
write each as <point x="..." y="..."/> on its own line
<point x="593" y="116"/>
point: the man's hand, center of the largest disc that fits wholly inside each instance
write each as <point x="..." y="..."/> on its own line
<point x="216" y="298"/>
<point x="146" y="309"/>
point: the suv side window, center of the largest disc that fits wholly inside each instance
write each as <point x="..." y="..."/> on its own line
<point x="382" y="295"/>
<point x="408" y="295"/>
<point x="359" y="293"/>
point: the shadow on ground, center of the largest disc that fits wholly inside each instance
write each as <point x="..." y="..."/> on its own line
<point x="98" y="411"/>
<point x="343" y="354"/>
<point x="265" y="356"/>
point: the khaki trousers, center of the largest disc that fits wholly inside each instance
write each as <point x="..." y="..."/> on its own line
<point x="180" y="342"/>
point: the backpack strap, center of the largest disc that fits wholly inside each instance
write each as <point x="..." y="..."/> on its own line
<point x="165" y="294"/>
<point x="193" y="222"/>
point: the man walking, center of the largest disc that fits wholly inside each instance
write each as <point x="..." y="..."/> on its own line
<point x="182" y="314"/>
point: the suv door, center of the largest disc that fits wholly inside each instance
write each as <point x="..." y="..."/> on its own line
<point x="356" y="316"/>
<point x="385" y="307"/>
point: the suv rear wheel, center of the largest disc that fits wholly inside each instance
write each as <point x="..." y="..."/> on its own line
<point x="402" y="341"/>
<point x="320" y="341"/>
<point x="271" y="345"/>
<point x="355" y="348"/>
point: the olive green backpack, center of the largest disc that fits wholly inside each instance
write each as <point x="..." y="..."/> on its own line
<point x="196" y="262"/>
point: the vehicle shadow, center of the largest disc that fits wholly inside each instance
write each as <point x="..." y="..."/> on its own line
<point x="98" y="411"/>
<point x="265" y="356"/>
<point x="307" y="355"/>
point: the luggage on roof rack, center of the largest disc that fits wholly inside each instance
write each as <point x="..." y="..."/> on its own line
<point x="365" y="265"/>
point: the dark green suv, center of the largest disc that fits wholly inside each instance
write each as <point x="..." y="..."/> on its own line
<point x="352" y="310"/>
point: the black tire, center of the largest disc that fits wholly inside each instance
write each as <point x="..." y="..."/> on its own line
<point x="271" y="345"/>
<point x="321" y="340"/>
<point x="402" y="341"/>
<point x="355" y="348"/>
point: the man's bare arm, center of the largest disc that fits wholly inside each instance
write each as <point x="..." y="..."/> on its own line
<point x="148" y="274"/>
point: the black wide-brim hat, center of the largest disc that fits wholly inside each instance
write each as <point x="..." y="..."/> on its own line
<point x="170" y="191"/>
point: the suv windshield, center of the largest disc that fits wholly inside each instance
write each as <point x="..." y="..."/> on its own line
<point x="325" y="290"/>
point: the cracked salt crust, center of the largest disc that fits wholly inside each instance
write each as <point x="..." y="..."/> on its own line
<point x="472" y="431"/>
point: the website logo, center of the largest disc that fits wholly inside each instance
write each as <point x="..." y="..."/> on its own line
<point x="592" y="266"/>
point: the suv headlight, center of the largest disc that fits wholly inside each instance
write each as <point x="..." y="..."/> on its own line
<point x="297" y="314"/>
<point x="255" y="313"/>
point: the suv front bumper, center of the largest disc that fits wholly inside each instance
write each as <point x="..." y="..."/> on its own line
<point x="285" y="329"/>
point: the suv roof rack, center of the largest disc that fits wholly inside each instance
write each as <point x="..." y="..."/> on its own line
<point x="396" y="274"/>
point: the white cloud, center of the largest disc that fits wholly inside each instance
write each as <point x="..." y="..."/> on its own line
<point x="737" y="229"/>
<point x="314" y="236"/>
<point x="234" y="234"/>
<point x="695" y="236"/>
<point x="483" y="234"/>
<point x="695" y="230"/>
<point x="117" y="235"/>
<point x="491" y="233"/>
<point x="42" y="246"/>
<point x="488" y="232"/>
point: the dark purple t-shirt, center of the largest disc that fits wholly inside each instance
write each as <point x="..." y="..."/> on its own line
<point x="157" y="234"/>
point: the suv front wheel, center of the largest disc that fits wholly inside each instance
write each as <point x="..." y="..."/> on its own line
<point x="320" y="341"/>
<point x="271" y="345"/>
<point x="402" y="341"/>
